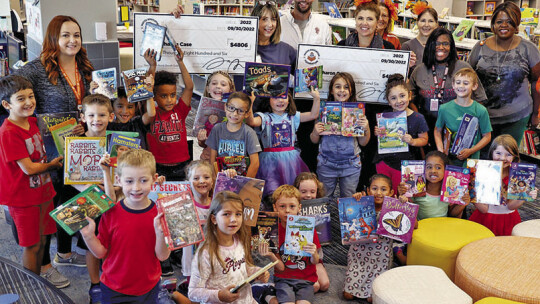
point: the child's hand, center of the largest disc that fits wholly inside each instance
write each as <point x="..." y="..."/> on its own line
<point x="150" y="57"/>
<point x="314" y="92"/>
<point x="464" y="154"/>
<point x="407" y="138"/>
<point x="319" y="128"/>
<point x="89" y="230"/>
<point x="363" y="122"/>
<point x="202" y="136"/>
<point x="264" y="277"/>
<point x="93" y="86"/>
<point x="358" y="195"/>
<point x="78" y="130"/>
<point x="180" y="56"/>
<point x="57" y="162"/>
<point x="252" y="97"/>
<point x="403" y="199"/>
<point x="105" y="162"/>
<point x="157" y="224"/>
<point x="376" y="131"/>
<point x="160" y="180"/>
<point x="466" y="198"/>
<point x="231" y="173"/>
<point x="178" y="11"/>
<point x="534" y="193"/>
<point x="225" y="295"/>
<point x="264" y="249"/>
<point x="310" y="248"/>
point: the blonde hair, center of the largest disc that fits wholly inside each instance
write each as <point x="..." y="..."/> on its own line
<point x="190" y="170"/>
<point x="223" y="73"/>
<point x="305" y="176"/>
<point x="286" y="191"/>
<point x="96" y="99"/>
<point x="136" y="158"/>
<point x="466" y="72"/>
<point x="508" y="143"/>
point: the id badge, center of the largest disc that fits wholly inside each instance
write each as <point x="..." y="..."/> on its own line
<point x="434" y="104"/>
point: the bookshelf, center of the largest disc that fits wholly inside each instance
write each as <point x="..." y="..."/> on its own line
<point x="342" y="5"/>
<point x="226" y="7"/>
<point x="483" y="9"/>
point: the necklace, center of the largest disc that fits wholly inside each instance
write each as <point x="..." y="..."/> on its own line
<point x="504" y="58"/>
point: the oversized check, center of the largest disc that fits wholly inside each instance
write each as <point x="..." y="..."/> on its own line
<point x="370" y="68"/>
<point x="210" y="43"/>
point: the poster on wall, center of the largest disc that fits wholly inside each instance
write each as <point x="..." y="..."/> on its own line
<point x="33" y="19"/>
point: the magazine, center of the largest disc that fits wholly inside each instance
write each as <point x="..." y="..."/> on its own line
<point x="60" y="132"/>
<point x="318" y="208"/>
<point x="135" y="85"/>
<point x="81" y="163"/>
<point x="487" y="181"/>
<point x="308" y="77"/>
<point x="44" y="122"/>
<point x="267" y="79"/>
<point x="351" y="112"/>
<point x="454" y="185"/>
<point x="209" y="113"/>
<point x="521" y="181"/>
<point x="106" y="79"/>
<point x="397" y="219"/>
<point x="239" y="163"/>
<point x="412" y="174"/>
<point x="167" y="189"/>
<point x="153" y="39"/>
<point x="392" y="127"/>
<point x="299" y="232"/>
<point x="465" y="135"/>
<point x="119" y="144"/>
<point x="358" y="219"/>
<point x="331" y="117"/>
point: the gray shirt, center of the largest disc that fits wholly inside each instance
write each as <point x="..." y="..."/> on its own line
<point x="415" y="46"/>
<point x="243" y="142"/>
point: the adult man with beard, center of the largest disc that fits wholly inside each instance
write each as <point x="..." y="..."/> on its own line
<point x="301" y="26"/>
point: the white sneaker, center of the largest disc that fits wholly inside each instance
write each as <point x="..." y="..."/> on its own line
<point x="56" y="278"/>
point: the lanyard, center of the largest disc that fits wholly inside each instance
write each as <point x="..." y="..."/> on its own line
<point x="77" y="87"/>
<point x="439" y="88"/>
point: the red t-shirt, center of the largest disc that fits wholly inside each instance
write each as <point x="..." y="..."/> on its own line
<point x="167" y="137"/>
<point x="18" y="189"/>
<point x="296" y="267"/>
<point x="131" y="266"/>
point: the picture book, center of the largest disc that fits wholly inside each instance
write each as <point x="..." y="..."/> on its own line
<point x="331" y="117"/>
<point x="167" y="189"/>
<point x="106" y="79"/>
<point x="487" y="183"/>
<point x="338" y="33"/>
<point x="397" y="219"/>
<point x="44" y="122"/>
<point x="489" y="7"/>
<point x="392" y="126"/>
<point x="462" y="29"/>
<point x="153" y="39"/>
<point x="358" y="219"/>
<point x="351" y="112"/>
<point x="529" y="16"/>
<point x="465" y="135"/>
<point x="209" y="113"/>
<point x="332" y="10"/>
<point x="470" y="8"/>
<point x="180" y="221"/>
<point x="444" y="13"/>
<point x="71" y="215"/>
<point x="412" y="174"/>
<point x="267" y="79"/>
<point x="249" y="189"/>
<point x="81" y="162"/>
<point x="60" y="132"/>
<point x="135" y="85"/>
<point x="119" y="144"/>
<point x="299" y="232"/>
<point x="308" y="77"/>
<point x="253" y="277"/>
<point x="239" y="163"/>
<point x="265" y="231"/>
<point x="455" y="184"/>
<point x="318" y="208"/>
<point x="521" y="181"/>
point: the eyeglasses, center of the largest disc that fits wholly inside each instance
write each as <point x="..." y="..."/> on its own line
<point x="445" y="44"/>
<point x="233" y="109"/>
<point x="264" y="2"/>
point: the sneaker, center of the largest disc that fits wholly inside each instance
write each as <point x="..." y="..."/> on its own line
<point x="56" y="278"/>
<point x="269" y="290"/>
<point x="95" y="294"/>
<point x="166" y="268"/>
<point x="77" y="260"/>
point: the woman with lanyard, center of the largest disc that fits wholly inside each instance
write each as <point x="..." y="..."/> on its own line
<point x="431" y="80"/>
<point x="427" y="22"/>
<point x="505" y="63"/>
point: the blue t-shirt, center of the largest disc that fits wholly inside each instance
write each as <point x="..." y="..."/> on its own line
<point x="243" y="142"/>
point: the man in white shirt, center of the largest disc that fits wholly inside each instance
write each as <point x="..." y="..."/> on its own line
<point x="301" y="26"/>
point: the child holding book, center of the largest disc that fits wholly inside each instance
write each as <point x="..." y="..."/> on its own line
<point x="223" y="259"/>
<point x="464" y="82"/>
<point x="501" y="219"/>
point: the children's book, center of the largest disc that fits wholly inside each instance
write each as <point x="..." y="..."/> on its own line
<point x="153" y="39"/>
<point x="465" y="135"/>
<point x="521" y="181"/>
<point x="250" y="191"/>
<point x="463" y="29"/>
<point x="71" y="215"/>
<point x="299" y="232"/>
<point x="338" y="33"/>
<point x="119" y="144"/>
<point x="307" y="78"/>
<point x="358" y="219"/>
<point x="209" y="113"/>
<point x="412" y="174"/>
<point x="318" y="208"/>
<point x="455" y="184"/>
<point x="167" y="189"/>
<point x="180" y="221"/>
<point x="60" y="132"/>
<point x="489" y="7"/>
<point x="487" y="181"/>
<point x="444" y="13"/>
<point x="351" y="112"/>
<point x="392" y="127"/>
<point x="135" y="85"/>
<point x="397" y="219"/>
<point x="471" y="165"/>
<point x="265" y="231"/>
<point x="332" y="10"/>
<point x="267" y="79"/>
<point x="106" y="79"/>
<point x="253" y="277"/>
<point x="470" y="8"/>
<point x="447" y="140"/>
<point x="529" y="16"/>
<point x="81" y="162"/>
<point x="239" y="163"/>
<point x="331" y="117"/>
<point x="44" y="122"/>
<point x="171" y="41"/>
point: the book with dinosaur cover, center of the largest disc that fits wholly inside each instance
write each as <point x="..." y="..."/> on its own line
<point x="106" y="80"/>
<point x="299" y="232"/>
<point x="397" y="219"/>
<point x="209" y="113"/>
<point x="521" y="181"/>
<point x="167" y="189"/>
<point x="46" y="121"/>
<point x="358" y="219"/>
<point x="455" y="184"/>
<point x="81" y="162"/>
<point x="60" y="132"/>
<point x="412" y="174"/>
<point x="392" y="127"/>
<point x="153" y="39"/>
<point x="318" y="208"/>
<point x="239" y="163"/>
<point x="267" y="79"/>
<point x="135" y="85"/>
<point x="308" y="77"/>
<point x="119" y="144"/>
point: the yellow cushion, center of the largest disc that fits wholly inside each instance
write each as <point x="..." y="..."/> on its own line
<point x="437" y="241"/>
<point x="493" y="300"/>
<point x="529" y="228"/>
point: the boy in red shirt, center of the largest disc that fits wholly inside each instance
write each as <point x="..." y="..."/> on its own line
<point x="25" y="185"/>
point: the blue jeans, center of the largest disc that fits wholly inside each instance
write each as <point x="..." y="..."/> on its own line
<point x="347" y="173"/>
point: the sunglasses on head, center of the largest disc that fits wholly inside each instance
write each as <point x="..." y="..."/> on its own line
<point x="264" y="2"/>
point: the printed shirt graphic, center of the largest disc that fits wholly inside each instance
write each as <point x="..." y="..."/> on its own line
<point x="231" y="147"/>
<point x="278" y="131"/>
<point x="243" y="142"/>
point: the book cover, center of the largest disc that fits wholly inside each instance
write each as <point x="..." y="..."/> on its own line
<point x="412" y="174"/>
<point x="489" y="7"/>
<point x="529" y="16"/>
<point x="71" y="215"/>
<point x="392" y="126"/>
<point x="487" y="181"/>
<point x="299" y="232"/>
<point x="455" y="184"/>
<point x="135" y="85"/>
<point x="106" y="79"/>
<point x="209" y="113"/>
<point x="239" y="163"/>
<point x="462" y="29"/>
<point x="44" y="122"/>
<point x="521" y="181"/>
<point x="267" y="79"/>
<point x="397" y="219"/>
<point x="153" y="39"/>
<point x="119" y="144"/>
<point x="318" y="208"/>
<point x="332" y="10"/>
<point x="338" y="33"/>
<point x="180" y="221"/>
<point x="307" y="78"/>
<point x="351" y="112"/>
<point x="447" y="140"/>
<point x="266" y="230"/>
<point x="358" y="219"/>
<point x="81" y="162"/>
<point x="331" y="117"/>
<point x="470" y="8"/>
<point x="167" y="189"/>
<point x="444" y="12"/>
<point x="254" y="276"/>
<point x="249" y="189"/>
<point x="62" y="131"/>
<point x="465" y="135"/>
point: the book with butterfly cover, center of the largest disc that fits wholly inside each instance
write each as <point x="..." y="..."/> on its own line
<point x="455" y="184"/>
<point x="392" y="127"/>
<point x="167" y="189"/>
<point x="487" y="181"/>
<point x="351" y="113"/>
<point x="153" y="39"/>
<point x="397" y="219"/>
<point x="60" y="132"/>
<point x="521" y="181"/>
<point x="358" y="219"/>
<point x="46" y="121"/>
<point x="106" y="80"/>
<point x="331" y="117"/>
<point x="135" y="85"/>
<point x="209" y="113"/>
<point x="81" y="162"/>
<point x="240" y="163"/>
<point x="299" y="232"/>
<point x="266" y="230"/>
<point x="318" y="208"/>
<point x="308" y="77"/>
<point x="119" y="144"/>
<point x="412" y="174"/>
<point x="465" y="135"/>
<point x="267" y="79"/>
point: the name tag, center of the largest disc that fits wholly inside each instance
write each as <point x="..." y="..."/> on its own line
<point x="434" y="104"/>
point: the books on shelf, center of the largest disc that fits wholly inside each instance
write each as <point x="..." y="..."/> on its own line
<point x="487" y="181"/>
<point x="267" y="79"/>
<point x="153" y="39"/>
<point x="358" y="219"/>
<point x="462" y="29"/>
<point x="455" y="184"/>
<point x="392" y="127"/>
<point x="412" y="174"/>
<point x="521" y="181"/>
<point x="135" y="85"/>
<point x="465" y="135"/>
<point x="167" y="189"/>
<point x="308" y="77"/>
<point x="332" y="9"/>
<point x="239" y="163"/>
<point x="529" y="16"/>
<point x="209" y="113"/>
<point x="106" y="80"/>
<point x="60" y="132"/>
<point x="299" y="232"/>
<point x="46" y="121"/>
<point x="397" y="219"/>
<point x="81" y="162"/>
<point x="489" y="7"/>
<point x="470" y="8"/>
<point x="318" y="208"/>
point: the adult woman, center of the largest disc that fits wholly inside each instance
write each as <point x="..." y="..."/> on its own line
<point x="386" y="23"/>
<point x="427" y="21"/>
<point x="504" y="64"/>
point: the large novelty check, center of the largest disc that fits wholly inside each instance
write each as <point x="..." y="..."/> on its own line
<point x="370" y="68"/>
<point x="210" y="43"/>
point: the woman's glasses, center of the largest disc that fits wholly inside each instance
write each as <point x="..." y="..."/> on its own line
<point x="443" y="44"/>
<point x="233" y="109"/>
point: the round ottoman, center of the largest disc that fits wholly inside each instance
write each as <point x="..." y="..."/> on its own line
<point x="493" y="300"/>
<point x="437" y="241"/>
<point x="417" y="285"/>
<point x="528" y="228"/>
<point x="505" y="267"/>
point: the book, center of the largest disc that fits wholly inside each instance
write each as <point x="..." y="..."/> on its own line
<point x="318" y="208"/>
<point x="135" y="85"/>
<point x="44" y="122"/>
<point x="521" y="181"/>
<point x="180" y="221"/>
<point x="447" y="140"/>
<point x="239" y="163"/>
<point x="171" y="41"/>
<point x="60" y="132"/>
<point x="253" y="277"/>
<point x="331" y="117"/>
<point x="332" y="10"/>
<point x="153" y="39"/>
<point x="455" y="184"/>
<point x="487" y="181"/>
<point x="250" y="191"/>
<point x="266" y="230"/>
<point x="351" y="112"/>
<point x="392" y="126"/>
<point x="397" y="219"/>
<point x="71" y="215"/>
<point x="358" y="219"/>
<point x="106" y="79"/>
<point x="267" y="79"/>
<point x="119" y="144"/>
<point x="444" y="13"/>
<point x="462" y="29"/>
<point x="299" y="232"/>
<point x="209" y="113"/>
<point x="412" y="174"/>
<point x="489" y="7"/>
<point x="338" y="33"/>
<point x="465" y="135"/>
<point x="308" y="77"/>
<point x="529" y="16"/>
<point x="81" y="162"/>
<point x="167" y="189"/>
